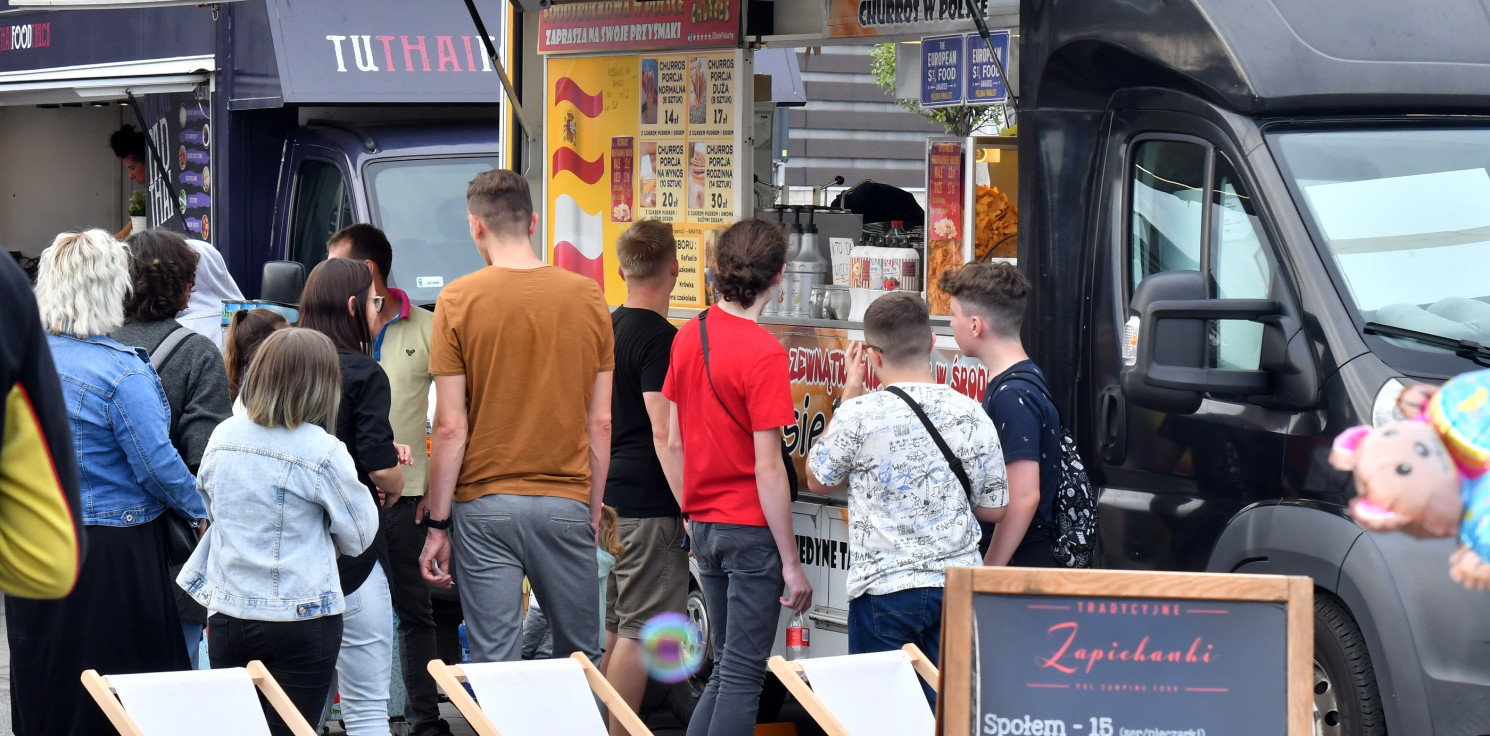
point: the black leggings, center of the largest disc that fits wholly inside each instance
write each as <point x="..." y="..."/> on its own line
<point x="300" y="654"/>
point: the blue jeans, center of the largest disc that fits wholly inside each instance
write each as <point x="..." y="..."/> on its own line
<point x="882" y="623"/>
<point x="364" y="667"/>
<point x="740" y="571"/>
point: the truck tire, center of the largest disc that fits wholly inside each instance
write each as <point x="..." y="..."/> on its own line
<point x="1346" y="700"/>
<point x="682" y="697"/>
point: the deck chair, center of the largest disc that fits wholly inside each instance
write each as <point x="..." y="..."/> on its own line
<point x="535" y="698"/>
<point x="863" y="694"/>
<point x="220" y="702"/>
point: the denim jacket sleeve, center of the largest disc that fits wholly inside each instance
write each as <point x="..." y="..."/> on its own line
<point x="141" y="419"/>
<point x="353" y="513"/>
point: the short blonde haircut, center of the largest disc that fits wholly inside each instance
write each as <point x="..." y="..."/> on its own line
<point x="82" y="283"/>
<point x="294" y="379"/>
<point x="646" y="250"/>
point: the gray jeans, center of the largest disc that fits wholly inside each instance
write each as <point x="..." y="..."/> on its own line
<point x="741" y="575"/>
<point x="498" y="540"/>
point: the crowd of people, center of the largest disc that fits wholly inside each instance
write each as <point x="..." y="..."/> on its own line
<point x="273" y="483"/>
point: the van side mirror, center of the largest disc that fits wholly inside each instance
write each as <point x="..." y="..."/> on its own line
<point x="1165" y="362"/>
<point x="283" y="282"/>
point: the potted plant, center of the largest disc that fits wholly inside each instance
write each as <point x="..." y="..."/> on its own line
<point x="137" y="211"/>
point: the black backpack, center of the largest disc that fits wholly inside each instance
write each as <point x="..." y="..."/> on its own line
<point x="1073" y="540"/>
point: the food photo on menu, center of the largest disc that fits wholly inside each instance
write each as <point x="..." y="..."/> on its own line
<point x="696" y="169"/>
<point x="649" y="91"/>
<point x="698" y="90"/>
<point x="647" y="175"/>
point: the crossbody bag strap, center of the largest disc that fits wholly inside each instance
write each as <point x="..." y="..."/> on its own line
<point x="952" y="460"/>
<point x="163" y="351"/>
<point x="703" y="336"/>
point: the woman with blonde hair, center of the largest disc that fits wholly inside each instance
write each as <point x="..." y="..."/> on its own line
<point x="120" y="618"/>
<point x="284" y="499"/>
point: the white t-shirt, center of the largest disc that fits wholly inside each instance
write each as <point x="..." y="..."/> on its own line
<point x="908" y="517"/>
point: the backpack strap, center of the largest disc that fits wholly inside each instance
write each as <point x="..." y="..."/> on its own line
<point x="952" y="460"/>
<point x="167" y="347"/>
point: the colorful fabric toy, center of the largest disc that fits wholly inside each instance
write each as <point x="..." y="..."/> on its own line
<point x="1429" y="476"/>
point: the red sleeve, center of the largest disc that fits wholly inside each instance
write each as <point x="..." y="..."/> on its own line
<point x="769" y="392"/>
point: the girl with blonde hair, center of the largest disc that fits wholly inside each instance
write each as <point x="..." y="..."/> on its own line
<point x="284" y="499"/>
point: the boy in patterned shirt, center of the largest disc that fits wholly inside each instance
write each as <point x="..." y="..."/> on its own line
<point x="910" y="517"/>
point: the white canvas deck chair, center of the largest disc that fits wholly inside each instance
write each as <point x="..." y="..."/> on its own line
<point x="535" y="698"/>
<point x="219" y="702"/>
<point x="874" y="694"/>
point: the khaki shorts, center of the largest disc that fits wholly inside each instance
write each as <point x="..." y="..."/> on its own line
<point x="649" y="578"/>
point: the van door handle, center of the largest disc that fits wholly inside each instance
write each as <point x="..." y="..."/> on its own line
<point x="1112" y="426"/>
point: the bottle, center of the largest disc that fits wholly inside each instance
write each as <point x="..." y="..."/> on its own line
<point x="798" y="639"/>
<point x="784" y="295"/>
<point x="807" y="270"/>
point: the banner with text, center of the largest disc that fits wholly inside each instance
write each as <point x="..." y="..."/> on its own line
<point x="639" y="26"/>
<point x="854" y="18"/>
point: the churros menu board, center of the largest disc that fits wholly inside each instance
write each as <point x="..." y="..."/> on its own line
<point x="645" y="136"/>
<point x="1101" y="653"/>
<point x="688" y="107"/>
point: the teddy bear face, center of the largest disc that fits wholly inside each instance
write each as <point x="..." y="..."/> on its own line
<point x="1403" y="471"/>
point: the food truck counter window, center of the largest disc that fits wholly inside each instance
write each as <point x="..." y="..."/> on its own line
<point x="421" y="205"/>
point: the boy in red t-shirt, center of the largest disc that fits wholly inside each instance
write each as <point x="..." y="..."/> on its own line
<point x="730" y="396"/>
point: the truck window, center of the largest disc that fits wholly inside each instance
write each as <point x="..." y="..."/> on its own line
<point x="1240" y="266"/>
<point x="322" y="207"/>
<point x="421" y="205"/>
<point x="1168" y="188"/>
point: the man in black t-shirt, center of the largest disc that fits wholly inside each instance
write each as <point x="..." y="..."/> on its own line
<point x="987" y="311"/>
<point x="651" y="576"/>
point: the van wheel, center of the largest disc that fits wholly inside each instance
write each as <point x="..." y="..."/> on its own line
<point x="1346" y="701"/>
<point x="682" y="697"/>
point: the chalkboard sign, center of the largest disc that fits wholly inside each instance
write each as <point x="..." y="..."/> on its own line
<point x="1030" y="652"/>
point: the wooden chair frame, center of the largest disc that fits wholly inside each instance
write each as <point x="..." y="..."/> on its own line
<point x="450" y="677"/>
<point x="103" y="693"/>
<point x="790" y="675"/>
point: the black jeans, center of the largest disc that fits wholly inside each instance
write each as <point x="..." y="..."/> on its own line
<point x="740" y="570"/>
<point x="300" y="654"/>
<point x="416" y="622"/>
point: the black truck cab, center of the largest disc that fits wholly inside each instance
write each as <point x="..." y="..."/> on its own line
<point x="1256" y="221"/>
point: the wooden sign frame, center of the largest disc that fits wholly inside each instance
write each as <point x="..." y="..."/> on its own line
<point x="1296" y="593"/>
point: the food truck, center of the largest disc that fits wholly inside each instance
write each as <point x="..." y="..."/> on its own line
<point x="272" y="124"/>
<point x="1310" y="180"/>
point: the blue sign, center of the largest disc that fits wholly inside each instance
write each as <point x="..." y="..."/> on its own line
<point x="984" y="85"/>
<point x="942" y="71"/>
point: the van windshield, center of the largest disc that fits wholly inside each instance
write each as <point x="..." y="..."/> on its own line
<point x="421" y="205"/>
<point x="1405" y="214"/>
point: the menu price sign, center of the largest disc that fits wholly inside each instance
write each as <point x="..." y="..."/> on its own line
<point x="984" y="85"/>
<point x="1099" y="653"/>
<point x="622" y="159"/>
<point x="665" y="92"/>
<point x="711" y="182"/>
<point x="942" y="67"/>
<point x="711" y="97"/>
<point x="695" y="245"/>
<point x="664" y="172"/>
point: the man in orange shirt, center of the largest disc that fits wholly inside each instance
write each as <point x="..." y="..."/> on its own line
<point x="522" y="355"/>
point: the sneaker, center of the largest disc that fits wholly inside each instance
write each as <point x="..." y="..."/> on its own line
<point x="438" y="728"/>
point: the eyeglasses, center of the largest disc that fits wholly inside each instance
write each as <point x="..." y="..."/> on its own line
<point x="867" y="346"/>
<point x="377" y="303"/>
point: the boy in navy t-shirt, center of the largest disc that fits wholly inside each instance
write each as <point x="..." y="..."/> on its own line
<point x="988" y="303"/>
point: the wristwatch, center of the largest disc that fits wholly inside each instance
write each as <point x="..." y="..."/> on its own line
<point x="442" y="524"/>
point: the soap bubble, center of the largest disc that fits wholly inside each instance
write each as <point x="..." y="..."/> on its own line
<point x="672" y="647"/>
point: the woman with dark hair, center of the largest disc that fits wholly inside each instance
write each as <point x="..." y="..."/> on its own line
<point x="120" y="617"/>
<point x="162" y="268"/>
<point x="731" y="395"/>
<point x="339" y="302"/>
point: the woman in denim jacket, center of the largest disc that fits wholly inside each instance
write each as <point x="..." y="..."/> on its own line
<point x="284" y="501"/>
<point x="120" y="618"/>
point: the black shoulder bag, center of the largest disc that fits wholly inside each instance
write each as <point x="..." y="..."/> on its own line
<point x="952" y="460"/>
<point x="786" y="452"/>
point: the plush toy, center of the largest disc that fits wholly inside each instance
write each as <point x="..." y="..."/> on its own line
<point x="1429" y="476"/>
